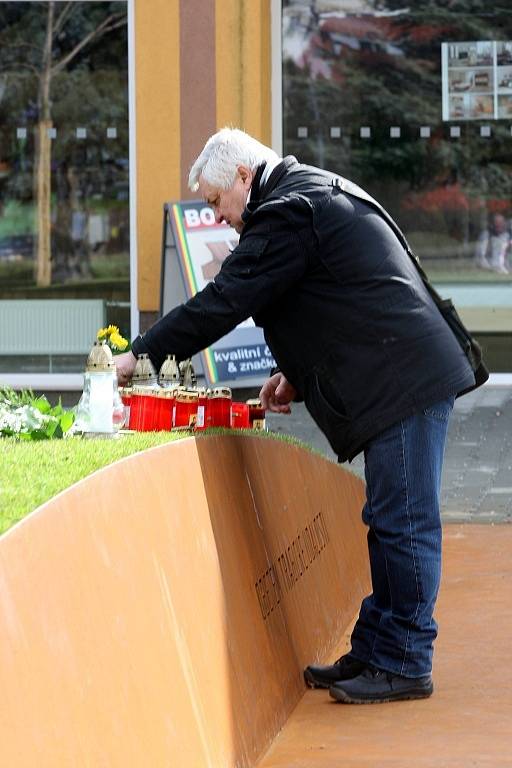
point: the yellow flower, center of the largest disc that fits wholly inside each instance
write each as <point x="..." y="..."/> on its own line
<point x="105" y="333"/>
<point x="116" y="341"/>
<point x="112" y="337"/>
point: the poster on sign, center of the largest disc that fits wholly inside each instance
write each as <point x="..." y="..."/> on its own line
<point x="477" y="80"/>
<point x="193" y="249"/>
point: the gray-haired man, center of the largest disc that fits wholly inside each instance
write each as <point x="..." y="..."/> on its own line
<point x="328" y="275"/>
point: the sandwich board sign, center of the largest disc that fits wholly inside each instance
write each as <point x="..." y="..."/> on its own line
<point x="194" y="247"/>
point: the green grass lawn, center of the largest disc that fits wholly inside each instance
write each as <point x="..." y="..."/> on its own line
<point x="17" y="219"/>
<point x="32" y="472"/>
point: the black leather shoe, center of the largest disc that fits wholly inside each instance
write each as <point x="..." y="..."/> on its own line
<point x="344" y="668"/>
<point x="374" y="686"/>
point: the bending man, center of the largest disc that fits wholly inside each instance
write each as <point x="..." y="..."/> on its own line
<point x="327" y="274"/>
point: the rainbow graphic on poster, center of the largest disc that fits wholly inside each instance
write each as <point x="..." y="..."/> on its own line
<point x="201" y="246"/>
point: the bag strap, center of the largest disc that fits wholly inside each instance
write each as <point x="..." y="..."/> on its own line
<point x="352" y="189"/>
<point x="445" y="306"/>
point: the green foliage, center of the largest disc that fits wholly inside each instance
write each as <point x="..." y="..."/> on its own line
<point x="113" y="267"/>
<point x="90" y="85"/>
<point x="87" y="73"/>
<point x="27" y="417"/>
<point x="17" y="219"/>
<point x="362" y="69"/>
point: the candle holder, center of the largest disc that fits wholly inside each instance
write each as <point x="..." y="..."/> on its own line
<point x="100" y="410"/>
<point x="203" y="417"/>
<point x="219" y="407"/>
<point x="125" y="393"/>
<point x="165" y="407"/>
<point x="135" y="407"/>
<point x="240" y="416"/>
<point x="256" y="414"/>
<point x="187" y="374"/>
<point x="144" y="374"/>
<point x="169" y="374"/>
<point x="185" y="409"/>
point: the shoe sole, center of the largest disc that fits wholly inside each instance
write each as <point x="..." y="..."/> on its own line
<point x="312" y="682"/>
<point x="344" y="698"/>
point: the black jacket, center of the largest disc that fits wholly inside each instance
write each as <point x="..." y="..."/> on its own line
<point x="325" y="271"/>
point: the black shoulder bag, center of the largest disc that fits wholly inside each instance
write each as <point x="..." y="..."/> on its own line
<point x="469" y="345"/>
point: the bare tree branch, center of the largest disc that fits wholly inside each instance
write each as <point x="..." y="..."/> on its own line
<point x="47" y="50"/>
<point x="22" y="45"/>
<point x="18" y="65"/>
<point x="121" y="23"/>
<point x="3" y="85"/>
<point x="70" y="6"/>
<point x="45" y="74"/>
<point x="111" y="22"/>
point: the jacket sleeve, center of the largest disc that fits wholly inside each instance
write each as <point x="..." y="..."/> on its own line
<point x="265" y="264"/>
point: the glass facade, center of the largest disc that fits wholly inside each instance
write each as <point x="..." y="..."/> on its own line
<point x="414" y="103"/>
<point x="64" y="179"/>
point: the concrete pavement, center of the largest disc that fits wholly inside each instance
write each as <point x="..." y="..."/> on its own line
<point x="477" y="477"/>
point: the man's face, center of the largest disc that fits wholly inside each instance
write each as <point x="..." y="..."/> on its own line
<point x="500" y="224"/>
<point x="228" y="204"/>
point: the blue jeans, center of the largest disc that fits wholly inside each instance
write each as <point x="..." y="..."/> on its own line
<point x="395" y="630"/>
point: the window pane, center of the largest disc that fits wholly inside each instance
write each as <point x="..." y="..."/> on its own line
<point x="366" y="86"/>
<point x="64" y="176"/>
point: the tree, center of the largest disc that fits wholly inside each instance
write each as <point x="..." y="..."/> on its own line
<point x="44" y="43"/>
<point x="381" y="67"/>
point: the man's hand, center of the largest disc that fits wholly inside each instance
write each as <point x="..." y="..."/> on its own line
<point x="277" y="393"/>
<point x="125" y="365"/>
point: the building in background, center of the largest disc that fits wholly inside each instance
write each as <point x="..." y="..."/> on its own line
<point x="412" y="102"/>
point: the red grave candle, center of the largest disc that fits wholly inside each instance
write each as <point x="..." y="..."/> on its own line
<point x="126" y="396"/>
<point x="219" y="407"/>
<point x="256" y="414"/>
<point x="240" y="416"/>
<point x="148" y="408"/>
<point x="165" y="407"/>
<point x="135" y="408"/>
<point x="185" y="408"/>
<point x="202" y="410"/>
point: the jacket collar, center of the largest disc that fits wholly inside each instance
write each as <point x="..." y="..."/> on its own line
<point x="260" y="192"/>
<point x="256" y="186"/>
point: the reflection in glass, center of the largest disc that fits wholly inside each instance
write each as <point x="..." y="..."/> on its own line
<point x="64" y="221"/>
<point x="358" y="63"/>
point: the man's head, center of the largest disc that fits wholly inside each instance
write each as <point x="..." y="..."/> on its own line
<point x="224" y="171"/>
<point x="498" y="224"/>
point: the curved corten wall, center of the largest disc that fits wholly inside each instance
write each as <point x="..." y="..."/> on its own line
<point x="160" y="612"/>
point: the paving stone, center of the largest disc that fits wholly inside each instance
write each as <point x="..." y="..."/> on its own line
<point x="478" y="460"/>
